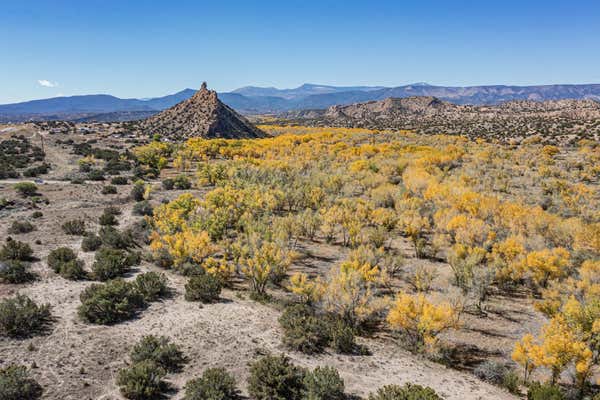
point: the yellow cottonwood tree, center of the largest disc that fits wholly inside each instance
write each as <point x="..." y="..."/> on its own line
<point x="348" y="291"/>
<point x="309" y="290"/>
<point x="421" y="320"/>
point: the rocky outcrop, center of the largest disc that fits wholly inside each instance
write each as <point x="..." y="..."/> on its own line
<point x="202" y="115"/>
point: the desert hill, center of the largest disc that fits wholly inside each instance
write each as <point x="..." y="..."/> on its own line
<point x="427" y="114"/>
<point x="202" y="115"/>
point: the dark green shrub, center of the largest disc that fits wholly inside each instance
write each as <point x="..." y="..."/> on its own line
<point x="543" y="391"/>
<point x="60" y="256"/>
<point x="512" y="382"/>
<point x="163" y="259"/>
<point x="111" y="237"/>
<point x="168" y="184"/>
<point x="108" y="219"/>
<point x="22" y="317"/>
<point x="110" y="263"/>
<point x="142" y="208"/>
<point x="303" y="330"/>
<point x="139" y="231"/>
<point x="342" y="338"/>
<point x="142" y="381"/>
<point x="112" y="210"/>
<point x="406" y="392"/>
<point x="160" y="351"/>
<point x="205" y="288"/>
<point x="119" y="180"/>
<point x="185" y="269"/>
<point x="18" y="227"/>
<point x="115" y="166"/>
<point x="95" y="175"/>
<point x="16" y="384"/>
<point x="111" y="302"/>
<point x="491" y="371"/>
<point x="215" y="384"/>
<point x="15" y="271"/>
<point x="37" y="170"/>
<point x="152" y="285"/>
<point x="73" y="270"/>
<point x="275" y="378"/>
<point x="15" y="250"/>
<point x="84" y="166"/>
<point x="323" y="383"/>
<point x="182" y="182"/>
<point x="37" y="214"/>
<point x="91" y="242"/>
<point x="109" y="189"/>
<point x="137" y="191"/>
<point x="26" y="189"/>
<point x="75" y="227"/>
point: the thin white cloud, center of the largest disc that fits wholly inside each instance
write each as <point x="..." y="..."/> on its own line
<point x="47" y="83"/>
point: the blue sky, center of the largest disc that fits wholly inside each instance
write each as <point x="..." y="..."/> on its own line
<point x="147" y="49"/>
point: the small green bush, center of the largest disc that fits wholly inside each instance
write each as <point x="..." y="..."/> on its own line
<point x="151" y="285"/>
<point x="142" y="381"/>
<point x="543" y="391"/>
<point x="275" y="378"/>
<point x="323" y="383"/>
<point x="95" y="175"/>
<point x="342" y="338"/>
<point x="406" y="392"/>
<point x="163" y="259"/>
<point x="112" y="210"/>
<point x="186" y="268"/>
<point x="91" y="242"/>
<point x="18" y="227"/>
<point x="182" y="182"/>
<point x="111" y="302"/>
<point x="303" y="330"/>
<point x="22" y="317"/>
<point x="73" y="270"/>
<point x="168" y="184"/>
<point x="37" y="214"/>
<point x="110" y="263"/>
<point x="111" y="237"/>
<point x="26" y="189"/>
<point x="15" y="271"/>
<point x="60" y="256"/>
<point x="137" y="191"/>
<point x="205" y="288"/>
<point x="109" y="189"/>
<point x="215" y="384"/>
<point x="108" y="219"/>
<point x="75" y="227"/>
<point x="491" y="371"/>
<point x="160" y="351"/>
<point x="142" y="208"/>
<point x="36" y="171"/>
<point x="15" y="250"/>
<point x="119" y="180"/>
<point x="512" y="382"/>
<point x="16" y="384"/>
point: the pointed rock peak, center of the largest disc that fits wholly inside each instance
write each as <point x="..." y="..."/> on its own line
<point x="202" y="115"/>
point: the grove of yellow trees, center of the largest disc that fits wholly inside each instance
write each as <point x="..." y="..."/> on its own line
<point x="502" y="217"/>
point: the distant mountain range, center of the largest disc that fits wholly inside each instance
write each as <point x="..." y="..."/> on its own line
<point x="259" y="100"/>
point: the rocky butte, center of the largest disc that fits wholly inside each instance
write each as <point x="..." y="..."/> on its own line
<point x="202" y="115"/>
